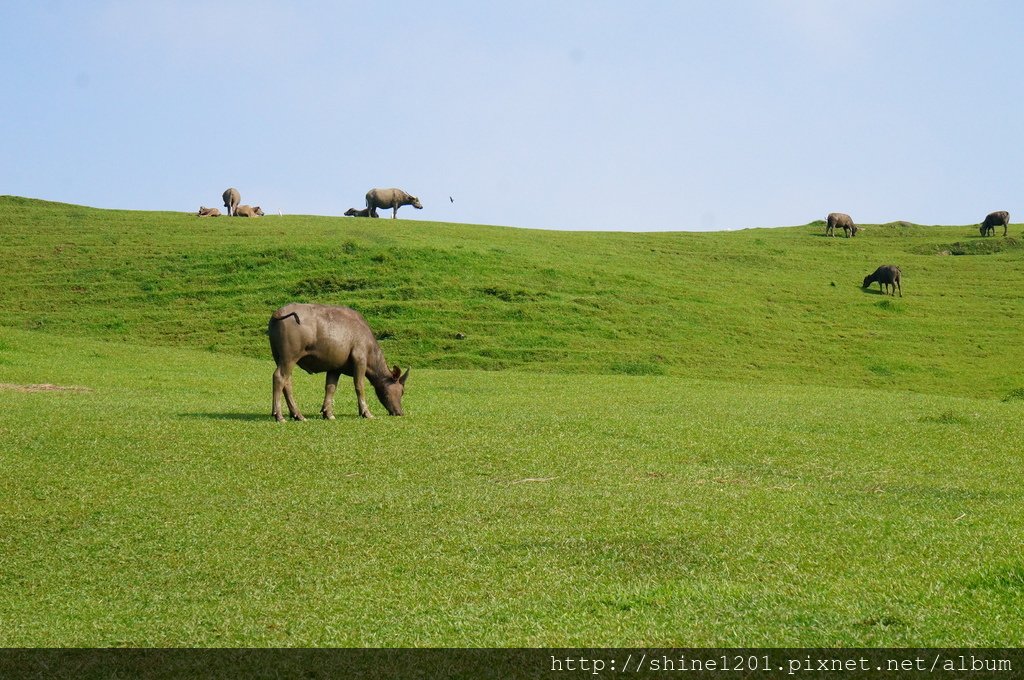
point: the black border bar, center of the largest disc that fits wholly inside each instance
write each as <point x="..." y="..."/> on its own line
<point x="511" y="663"/>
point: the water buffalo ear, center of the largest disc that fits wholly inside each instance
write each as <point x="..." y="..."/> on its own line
<point x="396" y="372"/>
<point x="404" y="377"/>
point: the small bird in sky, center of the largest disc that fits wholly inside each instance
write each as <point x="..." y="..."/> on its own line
<point x="451" y="199"/>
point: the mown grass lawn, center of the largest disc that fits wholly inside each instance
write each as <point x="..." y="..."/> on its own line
<point x="164" y="507"/>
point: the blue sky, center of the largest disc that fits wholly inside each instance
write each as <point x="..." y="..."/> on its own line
<point x="560" y="114"/>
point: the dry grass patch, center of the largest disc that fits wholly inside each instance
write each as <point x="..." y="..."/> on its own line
<point x="42" y="387"/>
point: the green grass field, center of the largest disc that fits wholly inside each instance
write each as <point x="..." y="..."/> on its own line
<point x="673" y="439"/>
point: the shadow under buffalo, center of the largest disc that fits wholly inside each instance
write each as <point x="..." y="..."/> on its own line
<point x="227" y="416"/>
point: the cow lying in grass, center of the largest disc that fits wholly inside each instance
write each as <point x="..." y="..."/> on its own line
<point x="248" y="211"/>
<point x="353" y="212"/>
<point x="207" y="212"/>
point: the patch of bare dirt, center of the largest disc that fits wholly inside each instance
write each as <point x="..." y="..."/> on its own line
<point x="43" y="387"/>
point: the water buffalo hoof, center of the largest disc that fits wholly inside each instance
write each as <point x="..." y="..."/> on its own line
<point x="327" y="416"/>
<point x="298" y="416"/>
<point x="366" y="415"/>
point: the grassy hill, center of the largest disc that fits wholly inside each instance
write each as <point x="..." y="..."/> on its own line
<point x="782" y="305"/>
<point x="703" y="442"/>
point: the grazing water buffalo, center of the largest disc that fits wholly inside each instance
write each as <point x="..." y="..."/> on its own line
<point x="887" y="275"/>
<point x="390" y="198"/>
<point x="993" y="220"/>
<point x="332" y="340"/>
<point x="841" y="220"/>
<point x="231" y="200"/>
<point x="353" y="212"/>
<point x="248" y="211"/>
<point x="207" y="212"/>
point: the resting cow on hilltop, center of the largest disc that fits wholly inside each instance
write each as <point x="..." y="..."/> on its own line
<point x="208" y="212"/>
<point x="248" y="211"/>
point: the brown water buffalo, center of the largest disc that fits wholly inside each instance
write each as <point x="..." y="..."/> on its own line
<point x="332" y="340"/>
<point x="207" y="212"/>
<point x="390" y="198"/>
<point x="248" y="211"/>
<point x="353" y="212"/>
<point x="231" y="200"/>
<point x="888" y="275"/>
<point x="841" y="220"/>
<point x="993" y="220"/>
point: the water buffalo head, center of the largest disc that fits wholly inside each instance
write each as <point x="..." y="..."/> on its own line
<point x="390" y="391"/>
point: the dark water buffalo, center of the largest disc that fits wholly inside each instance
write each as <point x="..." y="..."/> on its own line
<point x="231" y="200"/>
<point x="888" y="275"/>
<point x="390" y="198"/>
<point x="353" y="212"/>
<point x="207" y="212"/>
<point x="248" y="211"/>
<point x="842" y="221"/>
<point x="993" y="220"/>
<point x="332" y="340"/>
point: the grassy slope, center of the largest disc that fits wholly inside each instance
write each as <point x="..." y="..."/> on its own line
<point x="166" y="508"/>
<point x="715" y="505"/>
<point x="755" y="305"/>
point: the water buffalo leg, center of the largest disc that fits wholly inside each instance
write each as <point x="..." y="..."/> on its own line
<point x="357" y="378"/>
<point x="279" y="381"/>
<point x="332" y="384"/>
<point x="283" y="377"/>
